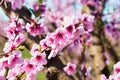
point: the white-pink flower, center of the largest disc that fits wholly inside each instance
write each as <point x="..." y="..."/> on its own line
<point x="17" y="70"/>
<point x="70" y="68"/>
<point x="87" y="20"/>
<point x="39" y="58"/>
<point x="103" y="77"/>
<point x="10" y="33"/>
<point x="31" y="76"/>
<point x="70" y="29"/>
<point x="59" y="36"/>
<point x="15" y="58"/>
<point x="3" y="63"/>
<point x="19" y="39"/>
<point x="12" y="75"/>
<point x="34" y="49"/>
<point x="29" y="67"/>
<point x="117" y="68"/>
<point x="9" y="47"/>
<point x="43" y="44"/>
<point x="34" y="29"/>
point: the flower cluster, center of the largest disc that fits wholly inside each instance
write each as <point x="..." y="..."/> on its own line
<point x="18" y="65"/>
<point x="14" y="33"/>
<point x="112" y="30"/>
<point x="34" y="28"/>
<point x="57" y="29"/>
<point x="75" y="29"/>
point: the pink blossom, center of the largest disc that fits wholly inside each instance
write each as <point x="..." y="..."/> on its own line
<point x="29" y="67"/>
<point x="3" y="63"/>
<point x="103" y="77"/>
<point x="34" y="49"/>
<point x="19" y="39"/>
<point x="12" y="75"/>
<point x="35" y="6"/>
<point x="59" y="36"/>
<point x="19" y="25"/>
<point x="70" y="68"/>
<point x="17" y="70"/>
<point x="15" y="27"/>
<point x="39" y="58"/>
<point x="117" y="76"/>
<point x="16" y="4"/>
<point x="31" y="76"/>
<point x="34" y="29"/>
<point x="15" y="58"/>
<point x="117" y="68"/>
<point x="9" y="47"/>
<point x="70" y="29"/>
<point x="50" y="40"/>
<point x="43" y="44"/>
<point x="10" y="31"/>
<point x="112" y="77"/>
<point x="87" y="20"/>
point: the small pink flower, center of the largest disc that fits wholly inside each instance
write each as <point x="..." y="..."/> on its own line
<point x="9" y="47"/>
<point x="70" y="29"/>
<point x="29" y="67"/>
<point x="87" y="20"/>
<point x="15" y="58"/>
<point x="112" y="77"/>
<point x="19" y="26"/>
<point x="43" y="44"/>
<point x="39" y="58"/>
<point x="17" y="70"/>
<point x="34" y="49"/>
<point x="103" y="77"/>
<point x="12" y="75"/>
<point x="3" y="63"/>
<point x="19" y="39"/>
<point x="49" y="40"/>
<point x="34" y="30"/>
<point x="31" y="76"/>
<point x="117" y="68"/>
<point x="59" y="36"/>
<point x="10" y="33"/>
<point x="70" y="68"/>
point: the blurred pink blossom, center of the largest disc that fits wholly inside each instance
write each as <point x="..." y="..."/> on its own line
<point x="70" y="68"/>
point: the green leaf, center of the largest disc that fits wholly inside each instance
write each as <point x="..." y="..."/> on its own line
<point x="41" y="76"/>
<point x="26" y="53"/>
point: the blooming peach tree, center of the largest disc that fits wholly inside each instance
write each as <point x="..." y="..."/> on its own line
<point x="66" y="39"/>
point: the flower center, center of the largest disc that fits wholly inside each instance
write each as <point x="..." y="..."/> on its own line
<point x="30" y="65"/>
<point x="38" y="57"/>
